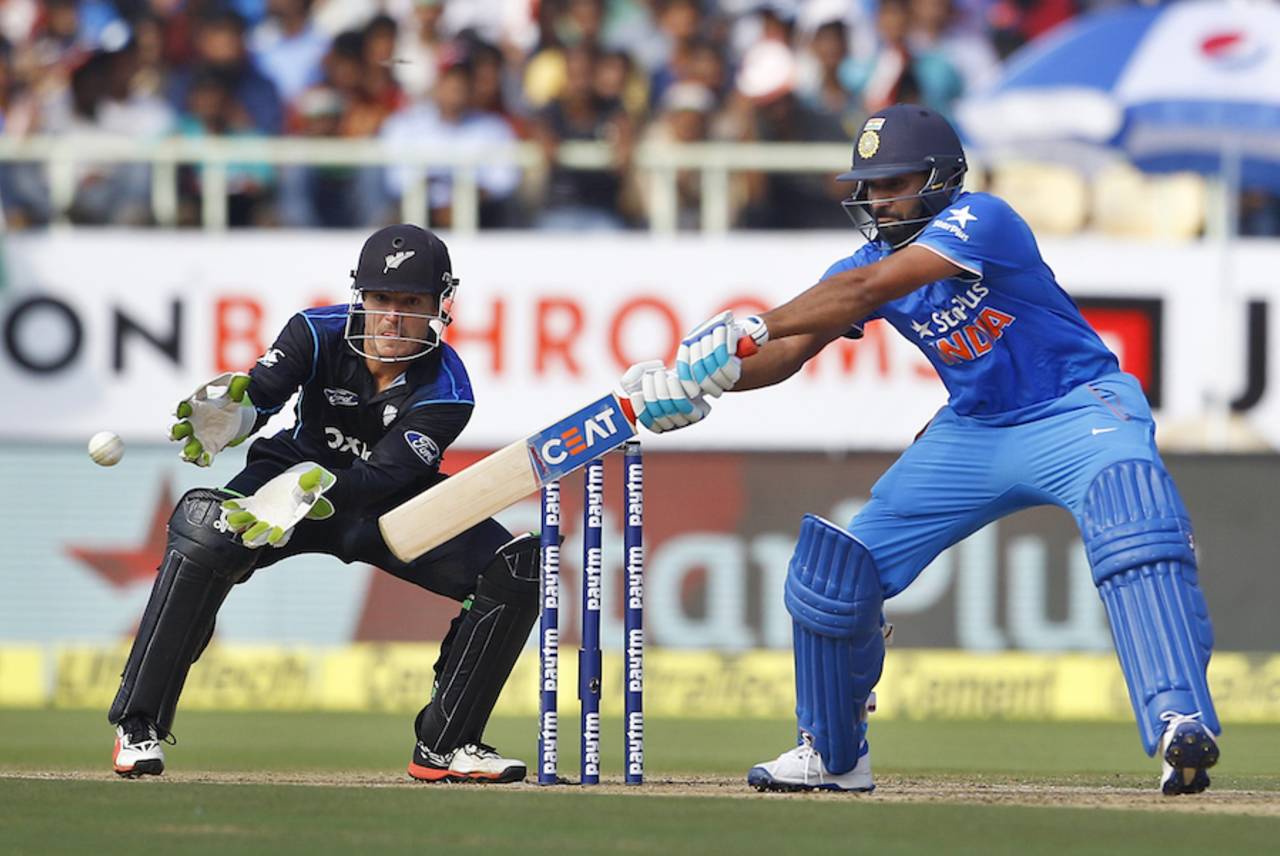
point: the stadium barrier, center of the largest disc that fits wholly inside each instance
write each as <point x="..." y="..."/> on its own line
<point x="1118" y="200"/>
<point x="396" y="677"/>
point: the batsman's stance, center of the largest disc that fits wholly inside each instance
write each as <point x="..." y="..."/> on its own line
<point x="1039" y="414"/>
<point x="381" y="397"/>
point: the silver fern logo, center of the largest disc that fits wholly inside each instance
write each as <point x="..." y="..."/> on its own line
<point x="394" y="260"/>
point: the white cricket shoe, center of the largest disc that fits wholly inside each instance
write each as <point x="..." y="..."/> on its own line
<point x="1187" y="749"/>
<point x="474" y="762"/>
<point x="801" y="769"/>
<point x="137" y="751"/>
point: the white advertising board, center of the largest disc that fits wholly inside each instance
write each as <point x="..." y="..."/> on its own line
<point x="109" y="329"/>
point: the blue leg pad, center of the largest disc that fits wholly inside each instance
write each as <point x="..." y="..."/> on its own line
<point x="1138" y="537"/>
<point x="833" y="594"/>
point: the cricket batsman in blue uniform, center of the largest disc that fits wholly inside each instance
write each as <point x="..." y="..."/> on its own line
<point x="1039" y="413"/>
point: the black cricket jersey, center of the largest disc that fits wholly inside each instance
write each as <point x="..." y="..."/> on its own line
<point x="383" y="446"/>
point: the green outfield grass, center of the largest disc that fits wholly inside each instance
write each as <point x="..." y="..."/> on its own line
<point x="90" y="813"/>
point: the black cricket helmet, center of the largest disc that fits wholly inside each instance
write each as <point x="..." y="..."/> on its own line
<point x="899" y="140"/>
<point x="402" y="258"/>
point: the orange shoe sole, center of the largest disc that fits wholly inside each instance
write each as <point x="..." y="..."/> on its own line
<point x="152" y="767"/>
<point x="435" y="774"/>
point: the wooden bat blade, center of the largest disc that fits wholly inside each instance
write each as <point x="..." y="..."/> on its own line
<point x="450" y="508"/>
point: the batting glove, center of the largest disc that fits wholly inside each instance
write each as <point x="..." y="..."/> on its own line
<point x="708" y="360"/>
<point x="658" y="398"/>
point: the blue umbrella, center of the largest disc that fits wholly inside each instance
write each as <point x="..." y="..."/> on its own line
<point x="1184" y="86"/>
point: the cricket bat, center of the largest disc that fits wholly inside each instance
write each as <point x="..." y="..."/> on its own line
<point x="509" y="475"/>
<point x="506" y="477"/>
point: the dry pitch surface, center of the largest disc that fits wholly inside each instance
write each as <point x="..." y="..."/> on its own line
<point x="890" y="789"/>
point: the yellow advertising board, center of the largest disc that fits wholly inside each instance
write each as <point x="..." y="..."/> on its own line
<point x="917" y="684"/>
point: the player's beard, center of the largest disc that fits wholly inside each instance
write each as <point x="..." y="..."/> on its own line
<point x="894" y="232"/>
<point x="897" y="231"/>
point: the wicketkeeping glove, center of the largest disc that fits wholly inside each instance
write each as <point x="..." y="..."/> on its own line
<point x="659" y="400"/>
<point x="217" y="415"/>
<point x="268" y="516"/>
<point x="709" y="359"/>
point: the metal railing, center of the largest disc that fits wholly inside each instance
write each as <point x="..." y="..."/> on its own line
<point x="658" y="166"/>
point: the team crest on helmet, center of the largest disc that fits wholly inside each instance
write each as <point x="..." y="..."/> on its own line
<point x="394" y="260"/>
<point x="868" y="144"/>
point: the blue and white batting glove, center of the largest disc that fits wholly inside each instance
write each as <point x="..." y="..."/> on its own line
<point x="658" y="398"/>
<point x="708" y="360"/>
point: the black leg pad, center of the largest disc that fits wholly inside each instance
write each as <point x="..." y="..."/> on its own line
<point x="481" y="648"/>
<point x="201" y="563"/>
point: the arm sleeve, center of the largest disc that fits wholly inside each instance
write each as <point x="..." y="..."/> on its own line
<point x="410" y="450"/>
<point x="288" y="363"/>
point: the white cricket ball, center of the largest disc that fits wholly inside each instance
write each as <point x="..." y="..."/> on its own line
<point x="106" y="448"/>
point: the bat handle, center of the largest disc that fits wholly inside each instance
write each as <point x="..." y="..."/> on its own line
<point x="627" y="410"/>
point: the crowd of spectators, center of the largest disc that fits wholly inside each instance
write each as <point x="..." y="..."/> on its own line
<point x="461" y="73"/>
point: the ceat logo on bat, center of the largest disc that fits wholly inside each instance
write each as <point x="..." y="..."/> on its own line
<point x="587" y="434"/>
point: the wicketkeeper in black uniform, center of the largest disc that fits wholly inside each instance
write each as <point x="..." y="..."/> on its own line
<point x="381" y="398"/>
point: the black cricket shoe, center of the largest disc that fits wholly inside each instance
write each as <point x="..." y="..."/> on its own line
<point x="1188" y="750"/>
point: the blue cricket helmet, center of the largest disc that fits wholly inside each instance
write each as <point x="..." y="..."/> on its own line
<point x="900" y="140"/>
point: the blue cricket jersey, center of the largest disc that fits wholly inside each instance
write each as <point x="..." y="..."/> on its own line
<point x="1004" y="335"/>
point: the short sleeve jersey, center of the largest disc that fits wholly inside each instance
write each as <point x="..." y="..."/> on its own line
<point x="1003" y="335"/>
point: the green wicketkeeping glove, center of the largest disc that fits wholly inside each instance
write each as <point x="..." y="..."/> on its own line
<point x="268" y="516"/>
<point x="217" y="415"/>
